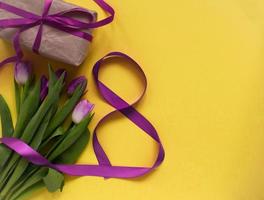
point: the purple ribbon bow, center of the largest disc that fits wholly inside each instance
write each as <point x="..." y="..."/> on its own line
<point x="104" y="169"/>
<point x="60" y="21"/>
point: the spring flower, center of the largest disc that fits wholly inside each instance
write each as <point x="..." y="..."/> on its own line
<point x="82" y="110"/>
<point x="22" y="72"/>
<point x="75" y="83"/>
<point x="44" y="87"/>
<point x="59" y="72"/>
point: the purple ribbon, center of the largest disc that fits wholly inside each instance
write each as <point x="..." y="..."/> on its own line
<point x="59" y="21"/>
<point x="104" y="169"/>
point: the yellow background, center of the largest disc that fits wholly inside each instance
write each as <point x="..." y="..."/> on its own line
<point x="205" y="65"/>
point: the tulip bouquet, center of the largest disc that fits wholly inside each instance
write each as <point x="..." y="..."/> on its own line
<point x="55" y="128"/>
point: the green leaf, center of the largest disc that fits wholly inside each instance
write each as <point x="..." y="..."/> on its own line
<point x="50" y="100"/>
<point x="23" y="164"/>
<point x="71" y="137"/>
<point x="65" y="110"/>
<point x="28" y="173"/>
<point x="71" y="155"/>
<point x="9" y="168"/>
<point x="31" y="181"/>
<point x="36" y="142"/>
<point x="68" y="157"/>
<point x="26" y="112"/>
<point x="54" y="180"/>
<point x="9" y="172"/>
<point x="34" y="123"/>
<point x="6" y="119"/>
<point x="28" y="109"/>
<point x="4" y="155"/>
<point x="54" y="145"/>
<point x="18" y="171"/>
<point x="26" y="90"/>
<point x="7" y="130"/>
<point x="58" y="132"/>
<point x="29" y="191"/>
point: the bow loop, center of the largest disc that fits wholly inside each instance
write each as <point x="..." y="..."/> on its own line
<point x="47" y="5"/>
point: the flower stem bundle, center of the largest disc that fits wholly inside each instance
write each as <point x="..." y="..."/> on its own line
<point x="42" y="123"/>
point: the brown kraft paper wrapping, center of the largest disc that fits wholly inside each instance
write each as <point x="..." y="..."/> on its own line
<point x="55" y="44"/>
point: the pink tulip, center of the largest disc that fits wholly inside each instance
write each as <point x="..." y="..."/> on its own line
<point x="22" y="72"/>
<point x="82" y="110"/>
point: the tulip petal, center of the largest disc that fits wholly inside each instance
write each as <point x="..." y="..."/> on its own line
<point x="22" y="72"/>
<point x="75" y="83"/>
<point x="82" y="109"/>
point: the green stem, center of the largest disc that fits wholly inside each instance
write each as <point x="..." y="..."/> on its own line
<point x="26" y="112"/>
<point x="22" y="163"/>
<point x="7" y="129"/>
<point x="18" y="97"/>
<point x="64" y="111"/>
<point x="34" y="123"/>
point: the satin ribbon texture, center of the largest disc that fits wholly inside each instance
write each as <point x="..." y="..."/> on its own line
<point x="105" y="168"/>
<point x="60" y="21"/>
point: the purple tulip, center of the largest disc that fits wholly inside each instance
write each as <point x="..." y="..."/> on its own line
<point x="22" y="72"/>
<point x="44" y="87"/>
<point x="59" y="72"/>
<point x="81" y="110"/>
<point x="75" y="83"/>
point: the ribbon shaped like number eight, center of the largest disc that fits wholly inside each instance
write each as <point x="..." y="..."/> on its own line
<point x="104" y="169"/>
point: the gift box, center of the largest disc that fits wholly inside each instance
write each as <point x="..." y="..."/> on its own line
<point x="56" y="43"/>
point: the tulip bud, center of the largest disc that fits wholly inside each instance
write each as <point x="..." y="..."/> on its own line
<point x="59" y="72"/>
<point x="75" y="83"/>
<point x="82" y="109"/>
<point x="22" y="72"/>
<point x="44" y="87"/>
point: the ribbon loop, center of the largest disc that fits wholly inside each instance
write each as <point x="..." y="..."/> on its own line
<point x="126" y="109"/>
<point x="47" y="5"/>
